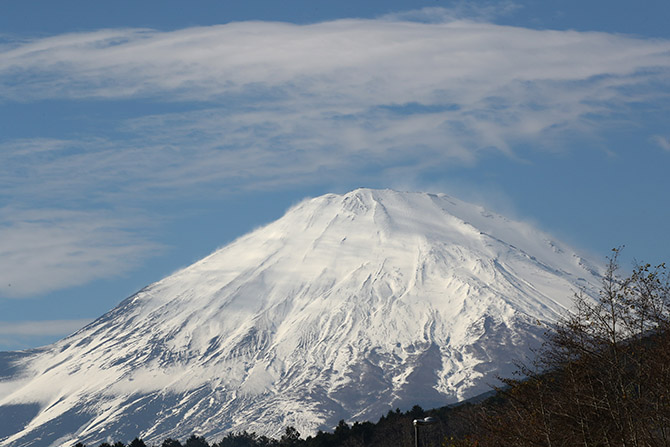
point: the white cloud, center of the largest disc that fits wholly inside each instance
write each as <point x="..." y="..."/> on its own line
<point x="45" y="250"/>
<point x="460" y="10"/>
<point x="662" y="142"/>
<point x="17" y="335"/>
<point x="363" y="62"/>
<point x="41" y="328"/>
<point x="374" y="89"/>
<point x="497" y="83"/>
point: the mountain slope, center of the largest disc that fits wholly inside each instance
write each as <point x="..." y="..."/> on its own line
<point x="345" y="307"/>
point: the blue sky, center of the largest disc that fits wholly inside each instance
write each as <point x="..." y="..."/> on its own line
<point x="137" y="137"/>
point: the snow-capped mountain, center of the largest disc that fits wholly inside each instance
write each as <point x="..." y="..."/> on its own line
<point x="346" y="307"/>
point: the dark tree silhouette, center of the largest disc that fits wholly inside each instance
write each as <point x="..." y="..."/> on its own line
<point x="291" y="437"/>
<point x="196" y="441"/>
<point x="137" y="443"/>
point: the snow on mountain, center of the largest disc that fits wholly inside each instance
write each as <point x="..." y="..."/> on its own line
<point x="346" y="307"/>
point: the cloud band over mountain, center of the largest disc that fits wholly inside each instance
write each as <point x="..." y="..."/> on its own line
<point x="262" y="105"/>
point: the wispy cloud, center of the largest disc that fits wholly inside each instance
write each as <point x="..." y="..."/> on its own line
<point x="362" y="62"/>
<point x="48" y="249"/>
<point x="41" y="328"/>
<point x="662" y="142"/>
<point x="15" y="335"/>
<point x="482" y="11"/>
<point x="454" y="88"/>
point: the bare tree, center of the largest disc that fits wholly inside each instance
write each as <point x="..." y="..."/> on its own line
<point x="603" y="376"/>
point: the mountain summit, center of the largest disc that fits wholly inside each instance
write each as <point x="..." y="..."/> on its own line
<point x="346" y="307"/>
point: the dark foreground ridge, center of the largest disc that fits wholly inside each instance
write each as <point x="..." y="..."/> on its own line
<point x="394" y="429"/>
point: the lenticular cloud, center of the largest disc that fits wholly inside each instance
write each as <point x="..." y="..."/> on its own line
<point x="380" y="90"/>
<point x="361" y="62"/>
